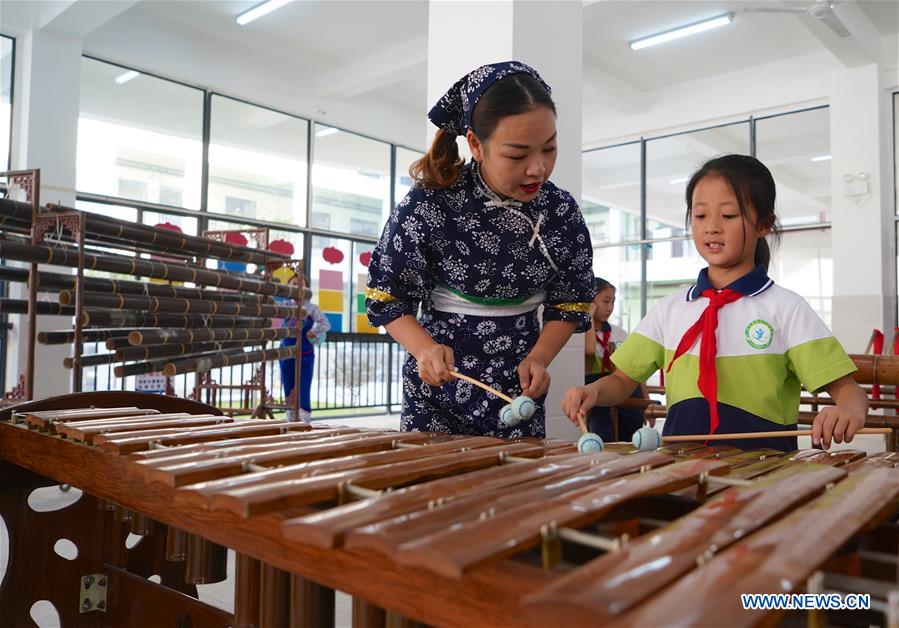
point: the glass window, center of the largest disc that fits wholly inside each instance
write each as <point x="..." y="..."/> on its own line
<point x="361" y="258"/>
<point x="403" y="182"/>
<point x="620" y="266"/>
<point x="796" y="148"/>
<point x="139" y="137"/>
<point x="113" y="211"/>
<point x="187" y="224"/>
<point x="803" y="263"/>
<point x="896" y="152"/>
<point x="6" y="86"/>
<point x="350" y="180"/>
<point x="611" y="193"/>
<point x="257" y="162"/>
<point x="331" y="269"/>
<point x="670" y="161"/>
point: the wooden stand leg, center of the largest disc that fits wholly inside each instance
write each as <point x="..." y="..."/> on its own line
<point x="175" y="544"/>
<point x="246" y="592"/>
<point x="311" y="604"/>
<point x="206" y="562"/>
<point x="274" y="604"/>
<point x="367" y="615"/>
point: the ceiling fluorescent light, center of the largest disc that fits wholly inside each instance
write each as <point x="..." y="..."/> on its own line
<point x="124" y="77"/>
<point x="325" y="132"/>
<point x="263" y="8"/>
<point x="678" y="180"/>
<point x="821" y="158"/>
<point x="682" y="31"/>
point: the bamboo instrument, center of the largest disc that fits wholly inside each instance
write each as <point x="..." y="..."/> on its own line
<point x="164" y="336"/>
<point x="176" y="306"/>
<point x="142" y="267"/>
<point x="57" y="281"/>
<point x="194" y="364"/>
<point x="125" y="318"/>
<point x="777" y="434"/>
<point x="15" y="214"/>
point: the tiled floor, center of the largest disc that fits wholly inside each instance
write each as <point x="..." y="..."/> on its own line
<point x="222" y="594"/>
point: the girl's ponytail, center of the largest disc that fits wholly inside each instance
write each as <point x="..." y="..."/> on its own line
<point x="762" y="253"/>
<point x="441" y="166"/>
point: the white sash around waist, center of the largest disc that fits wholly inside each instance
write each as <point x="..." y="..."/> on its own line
<point x="444" y="300"/>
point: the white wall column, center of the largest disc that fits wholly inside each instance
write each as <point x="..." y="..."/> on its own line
<point x="548" y="36"/>
<point x="864" y="261"/>
<point x="47" y="90"/>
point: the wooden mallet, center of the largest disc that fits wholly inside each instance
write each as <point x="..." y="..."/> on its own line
<point x="515" y="409"/>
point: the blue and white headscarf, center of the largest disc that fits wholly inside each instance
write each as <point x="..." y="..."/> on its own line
<point x="452" y="113"/>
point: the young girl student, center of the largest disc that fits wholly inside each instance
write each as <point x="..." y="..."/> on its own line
<point x="480" y="247"/>
<point x="313" y="332"/>
<point x="735" y="346"/>
<point x="599" y="343"/>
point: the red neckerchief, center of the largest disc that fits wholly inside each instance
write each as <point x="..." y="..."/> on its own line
<point x="877" y="348"/>
<point x="603" y="340"/>
<point x="706" y="325"/>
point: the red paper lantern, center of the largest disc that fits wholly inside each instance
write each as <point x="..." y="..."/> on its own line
<point x="233" y="237"/>
<point x="281" y="246"/>
<point x="332" y="255"/>
<point x="168" y="227"/>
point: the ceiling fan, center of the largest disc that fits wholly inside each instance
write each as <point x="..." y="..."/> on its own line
<point x="821" y="10"/>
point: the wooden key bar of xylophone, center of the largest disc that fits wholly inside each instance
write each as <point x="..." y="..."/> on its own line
<point x="43" y="420"/>
<point x="85" y="432"/>
<point x="885" y="459"/>
<point x="830" y="458"/>
<point x="451" y="552"/>
<point x="284" y="494"/>
<point x="826" y="523"/>
<point x="617" y="581"/>
<point x="201" y="494"/>
<point x="221" y="446"/>
<point x="737" y="461"/>
<point x="179" y="474"/>
<point x="145" y="441"/>
<point x="245" y="449"/>
<point x="386" y="536"/>
<point x="326" y="529"/>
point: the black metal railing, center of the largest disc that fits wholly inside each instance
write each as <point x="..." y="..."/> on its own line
<point x="359" y="373"/>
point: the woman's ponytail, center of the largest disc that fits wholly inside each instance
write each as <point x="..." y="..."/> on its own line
<point x="441" y="166"/>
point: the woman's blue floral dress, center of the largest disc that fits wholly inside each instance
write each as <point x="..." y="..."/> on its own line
<point x="479" y="267"/>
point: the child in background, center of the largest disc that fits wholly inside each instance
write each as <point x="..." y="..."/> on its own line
<point x="599" y="344"/>
<point x="735" y="345"/>
<point x="313" y="333"/>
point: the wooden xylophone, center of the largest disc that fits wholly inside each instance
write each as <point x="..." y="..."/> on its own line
<point x="440" y="529"/>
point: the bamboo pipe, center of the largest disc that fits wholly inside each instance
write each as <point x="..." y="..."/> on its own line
<point x="88" y="335"/>
<point x="139" y="368"/>
<point x="176" y="306"/>
<point x="747" y="435"/>
<point x="132" y="354"/>
<point x="876" y="369"/>
<point x="20" y="306"/>
<point x="165" y="336"/>
<point x="95" y="359"/>
<point x="195" y="364"/>
<point x="146" y="268"/>
<point x="125" y="318"/>
<point x="479" y="384"/>
<point x="56" y="281"/>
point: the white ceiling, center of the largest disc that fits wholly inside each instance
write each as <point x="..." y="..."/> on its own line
<point x="337" y="53"/>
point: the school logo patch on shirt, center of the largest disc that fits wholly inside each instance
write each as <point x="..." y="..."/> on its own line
<point x="759" y="334"/>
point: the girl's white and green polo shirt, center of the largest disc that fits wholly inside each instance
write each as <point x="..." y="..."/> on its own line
<point x="769" y="342"/>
